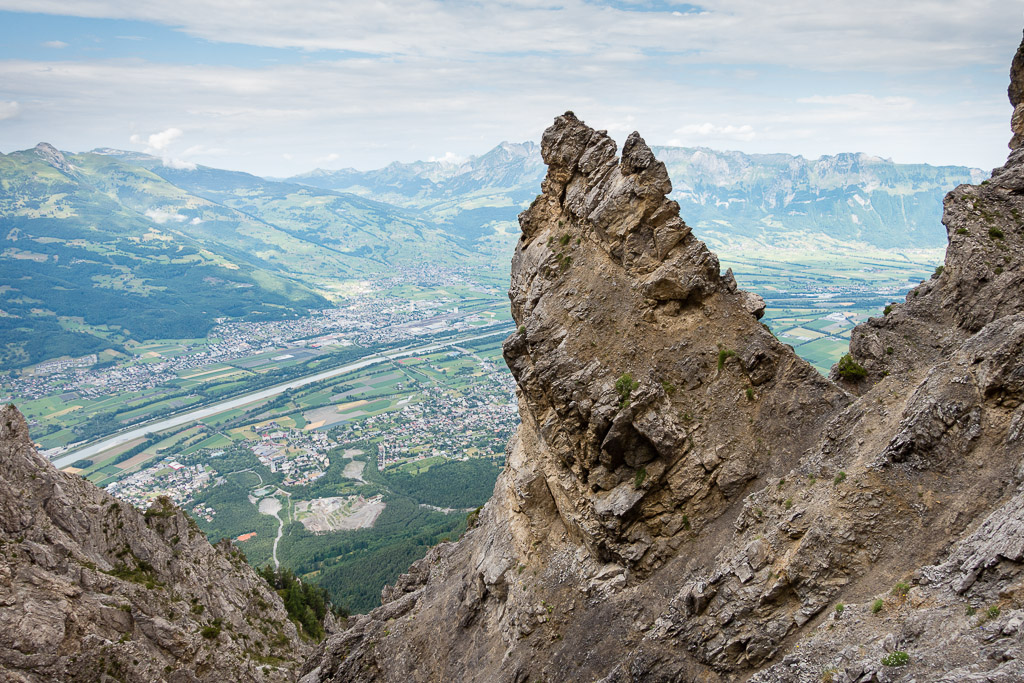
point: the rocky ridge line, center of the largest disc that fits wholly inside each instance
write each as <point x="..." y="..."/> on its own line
<point x="630" y="341"/>
<point x="685" y="501"/>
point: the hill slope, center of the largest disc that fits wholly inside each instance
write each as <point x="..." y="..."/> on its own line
<point x="92" y="589"/>
<point x="101" y="247"/>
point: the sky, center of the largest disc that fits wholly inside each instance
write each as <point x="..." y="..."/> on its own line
<point x="279" y="88"/>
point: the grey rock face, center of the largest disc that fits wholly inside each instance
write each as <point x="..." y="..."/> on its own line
<point x="53" y="157"/>
<point x="686" y="500"/>
<point x="92" y="589"/>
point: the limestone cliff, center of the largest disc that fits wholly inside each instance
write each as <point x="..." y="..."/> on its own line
<point x="688" y="500"/>
<point x="91" y="589"/>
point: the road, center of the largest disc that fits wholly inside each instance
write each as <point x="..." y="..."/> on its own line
<point x="230" y="404"/>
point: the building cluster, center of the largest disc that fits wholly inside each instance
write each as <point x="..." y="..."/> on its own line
<point x="453" y="424"/>
<point x="61" y="364"/>
<point x="164" y="477"/>
<point x="365" y="319"/>
<point x="301" y="456"/>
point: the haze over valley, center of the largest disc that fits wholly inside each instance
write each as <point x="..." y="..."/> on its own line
<point x="163" y="325"/>
<point x="337" y="325"/>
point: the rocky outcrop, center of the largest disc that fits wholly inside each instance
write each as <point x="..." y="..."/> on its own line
<point x="52" y="156"/>
<point x="92" y="589"/>
<point x="652" y="401"/>
<point x="1016" y="94"/>
<point x="687" y="500"/>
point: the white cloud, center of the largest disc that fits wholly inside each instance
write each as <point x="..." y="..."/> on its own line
<point x="859" y="101"/>
<point x="56" y="44"/>
<point x="448" y="158"/>
<point x="179" y="164"/>
<point x="796" y="33"/>
<point x="376" y="111"/>
<point x="327" y="159"/>
<point x="9" y="110"/>
<point x="711" y="130"/>
<point x="159" y="216"/>
<point x="203" y="150"/>
<point x="157" y="142"/>
<point x="434" y="79"/>
<point x="195" y="221"/>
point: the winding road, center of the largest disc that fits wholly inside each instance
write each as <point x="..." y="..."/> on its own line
<point x="272" y="506"/>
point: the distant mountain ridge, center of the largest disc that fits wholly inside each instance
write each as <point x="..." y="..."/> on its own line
<point x="110" y="245"/>
<point x="849" y="197"/>
<point x="725" y="195"/>
<point x="100" y="247"/>
<point x="509" y="165"/>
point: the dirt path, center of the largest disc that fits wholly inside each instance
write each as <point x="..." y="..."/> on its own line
<point x="272" y="506"/>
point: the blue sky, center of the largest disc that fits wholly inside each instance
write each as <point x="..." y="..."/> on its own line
<point x="277" y="88"/>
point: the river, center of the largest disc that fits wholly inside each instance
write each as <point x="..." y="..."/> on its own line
<point x="232" y="403"/>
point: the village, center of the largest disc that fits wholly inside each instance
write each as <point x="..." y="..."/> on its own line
<point x="441" y="412"/>
<point x="365" y="319"/>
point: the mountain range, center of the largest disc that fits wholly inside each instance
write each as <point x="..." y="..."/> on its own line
<point x="765" y="198"/>
<point x="108" y="246"/>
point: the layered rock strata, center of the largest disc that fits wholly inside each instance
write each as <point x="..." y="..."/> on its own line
<point x="687" y="500"/>
<point x="652" y="401"/>
<point x="92" y="589"/>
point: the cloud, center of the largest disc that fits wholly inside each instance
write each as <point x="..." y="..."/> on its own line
<point x="9" y="110"/>
<point x="796" y="33"/>
<point x="425" y="79"/>
<point x="327" y="159"/>
<point x="374" y="111"/>
<point x="159" y="216"/>
<point x="710" y="130"/>
<point x="56" y="44"/>
<point x="449" y="158"/>
<point x="179" y="164"/>
<point x="859" y="101"/>
<point x="157" y="142"/>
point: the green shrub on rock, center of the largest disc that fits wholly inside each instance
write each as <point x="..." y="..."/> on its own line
<point x="850" y="369"/>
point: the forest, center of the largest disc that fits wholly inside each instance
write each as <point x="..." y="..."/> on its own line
<point x="355" y="565"/>
<point x="453" y="484"/>
<point x="307" y="604"/>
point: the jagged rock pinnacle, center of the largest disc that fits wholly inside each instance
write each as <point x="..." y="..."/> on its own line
<point x="1016" y="94"/>
<point x="607" y="282"/>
